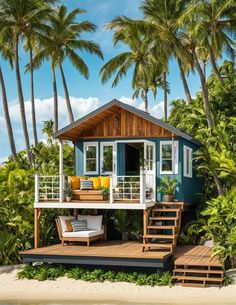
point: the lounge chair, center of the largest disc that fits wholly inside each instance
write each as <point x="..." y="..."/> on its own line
<point x="95" y="229"/>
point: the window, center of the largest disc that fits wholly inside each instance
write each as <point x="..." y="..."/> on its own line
<point x="91" y="158"/>
<point x="188" y="167"/>
<point x="169" y="157"/>
<point x="107" y="156"/>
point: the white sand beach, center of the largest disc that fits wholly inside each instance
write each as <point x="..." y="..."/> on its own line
<point x="67" y="290"/>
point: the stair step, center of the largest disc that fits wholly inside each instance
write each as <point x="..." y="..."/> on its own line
<point x="196" y="278"/>
<point x="190" y="285"/>
<point x="156" y="245"/>
<point x="199" y="271"/>
<point x="160" y="236"/>
<point x="164" y="218"/>
<point x="165" y="210"/>
<point x="162" y="227"/>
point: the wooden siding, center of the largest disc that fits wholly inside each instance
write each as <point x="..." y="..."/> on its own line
<point x="116" y="122"/>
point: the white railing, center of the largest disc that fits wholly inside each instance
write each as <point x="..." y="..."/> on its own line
<point x="133" y="189"/>
<point x="130" y="189"/>
<point x="49" y="188"/>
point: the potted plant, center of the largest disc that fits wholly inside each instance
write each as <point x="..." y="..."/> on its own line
<point x="105" y="192"/>
<point x="68" y="191"/>
<point x="122" y="224"/>
<point x="167" y="187"/>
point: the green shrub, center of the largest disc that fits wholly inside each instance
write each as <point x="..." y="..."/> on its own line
<point x="46" y="272"/>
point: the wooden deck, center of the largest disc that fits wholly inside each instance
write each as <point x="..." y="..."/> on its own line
<point x="110" y="253"/>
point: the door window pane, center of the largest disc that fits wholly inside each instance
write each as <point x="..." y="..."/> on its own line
<point x="107" y="165"/>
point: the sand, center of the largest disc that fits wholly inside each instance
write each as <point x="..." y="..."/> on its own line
<point x="68" y="290"/>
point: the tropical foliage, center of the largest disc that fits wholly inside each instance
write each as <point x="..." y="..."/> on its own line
<point x="46" y="272"/>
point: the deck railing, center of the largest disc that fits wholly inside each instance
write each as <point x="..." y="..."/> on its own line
<point x="49" y="188"/>
<point x="131" y="189"/>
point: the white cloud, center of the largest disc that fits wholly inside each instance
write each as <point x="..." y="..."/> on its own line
<point x="157" y="110"/>
<point x="128" y="100"/>
<point x="44" y="109"/>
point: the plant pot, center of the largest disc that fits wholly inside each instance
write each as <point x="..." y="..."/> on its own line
<point x="168" y="198"/>
<point x="125" y="236"/>
<point x="68" y="199"/>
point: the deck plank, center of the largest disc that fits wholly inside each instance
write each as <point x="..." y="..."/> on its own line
<point x="112" y="249"/>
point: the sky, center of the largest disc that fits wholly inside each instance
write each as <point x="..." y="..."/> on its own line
<point x="86" y="95"/>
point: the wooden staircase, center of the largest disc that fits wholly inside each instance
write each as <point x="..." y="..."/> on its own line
<point x="197" y="268"/>
<point x="162" y="225"/>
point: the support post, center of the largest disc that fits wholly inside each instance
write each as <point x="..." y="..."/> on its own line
<point x="36" y="191"/>
<point x="111" y="189"/>
<point x="75" y="212"/>
<point x="61" y="176"/>
<point x="145" y="221"/>
<point x="37" y="213"/>
<point x="142" y="188"/>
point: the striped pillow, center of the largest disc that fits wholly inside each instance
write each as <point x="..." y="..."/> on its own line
<point x="86" y="184"/>
<point x="79" y="225"/>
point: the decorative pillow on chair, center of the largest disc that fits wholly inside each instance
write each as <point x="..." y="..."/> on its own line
<point x="69" y="226"/>
<point x="79" y="225"/>
<point x="86" y="184"/>
<point x="96" y="182"/>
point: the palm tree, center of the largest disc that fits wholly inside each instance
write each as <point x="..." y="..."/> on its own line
<point x="7" y="55"/>
<point x="48" y="129"/>
<point x="153" y="81"/>
<point x="16" y="17"/>
<point x="139" y="58"/>
<point x="162" y="20"/>
<point x="61" y="39"/>
<point x="215" y="25"/>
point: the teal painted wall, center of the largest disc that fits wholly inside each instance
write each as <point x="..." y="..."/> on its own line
<point x="187" y="189"/>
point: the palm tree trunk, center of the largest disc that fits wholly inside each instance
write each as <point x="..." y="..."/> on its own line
<point x="184" y="81"/>
<point x="214" y="65"/>
<point x="204" y="69"/>
<point x="32" y="99"/>
<point x="21" y="101"/>
<point x="207" y="105"/>
<point x="165" y="96"/>
<point x="145" y="99"/>
<point x="7" y="117"/>
<point x="68" y="104"/>
<point x="55" y="101"/>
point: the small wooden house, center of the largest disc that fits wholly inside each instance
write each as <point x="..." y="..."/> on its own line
<point x="126" y="152"/>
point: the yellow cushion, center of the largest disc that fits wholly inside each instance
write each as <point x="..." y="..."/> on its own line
<point x="75" y="181"/>
<point x="96" y="182"/>
<point x="105" y="181"/>
<point x="69" y="226"/>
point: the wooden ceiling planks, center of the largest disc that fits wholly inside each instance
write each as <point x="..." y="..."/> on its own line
<point x="115" y="122"/>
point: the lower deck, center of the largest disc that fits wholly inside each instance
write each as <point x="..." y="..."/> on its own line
<point x="109" y="253"/>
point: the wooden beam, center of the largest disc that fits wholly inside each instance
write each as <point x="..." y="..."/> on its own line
<point x="75" y="213"/>
<point x="37" y="213"/>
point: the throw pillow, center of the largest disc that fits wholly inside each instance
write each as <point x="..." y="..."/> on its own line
<point x="69" y="226"/>
<point x="96" y="182"/>
<point x="105" y="181"/>
<point x="86" y="185"/>
<point x="79" y="225"/>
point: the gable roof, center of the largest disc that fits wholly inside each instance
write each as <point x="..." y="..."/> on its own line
<point x="131" y="109"/>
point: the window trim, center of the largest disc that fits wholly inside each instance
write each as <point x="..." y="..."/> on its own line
<point x="174" y="166"/>
<point x="190" y="175"/>
<point x="102" y="144"/>
<point x="85" y="145"/>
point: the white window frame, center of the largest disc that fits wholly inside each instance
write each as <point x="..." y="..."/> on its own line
<point x="102" y="145"/>
<point x="174" y="166"/>
<point x="87" y="144"/>
<point x="190" y="174"/>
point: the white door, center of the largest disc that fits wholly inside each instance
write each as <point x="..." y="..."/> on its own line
<point x="108" y="158"/>
<point x="150" y="168"/>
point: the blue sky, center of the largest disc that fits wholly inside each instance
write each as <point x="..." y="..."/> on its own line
<point x="86" y="95"/>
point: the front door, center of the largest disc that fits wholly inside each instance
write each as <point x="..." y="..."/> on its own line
<point x="150" y="168"/>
